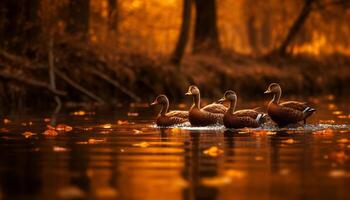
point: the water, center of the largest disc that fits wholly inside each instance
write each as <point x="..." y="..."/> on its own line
<point x="116" y="156"/>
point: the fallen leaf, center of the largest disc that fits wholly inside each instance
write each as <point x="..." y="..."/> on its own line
<point x="63" y="127"/>
<point x="343" y="140"/>
<point x="96" y="141"/>
<point x="122" y="122"/>
<point x="28" y="134"/>
<point x="233" y="173"/>
<point x="142" y="144"/>
<point x="59" y="149"/>
<point x="79" y="113"/>
<point x="289" y="141"/>
<point x="50" y="132"/>
<point x="106" y="126"/>
<point x="339" y="173"/>
<point x="137" y="131"/>
<point x="337" y="112"/>
<point x="213" y="151"/>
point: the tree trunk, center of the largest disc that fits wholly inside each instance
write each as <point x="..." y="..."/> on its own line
<point x="78" y="18"/>
<point x="19" y="24"/>
<point x="206" y="32"/>
<point x="297" y="25"/>
<point x="113" y="15"/>
<point x="184" y="33"/>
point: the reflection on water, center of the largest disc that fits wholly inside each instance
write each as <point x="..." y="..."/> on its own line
<point x="109" y="157"/>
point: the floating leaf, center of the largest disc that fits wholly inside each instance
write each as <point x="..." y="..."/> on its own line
<point x="216" y="181"/>
<point x="63" y="127"/>
<point x="106" y="126"/>
<point x="213" y="151"/>
<point x="137" y="131"/>
<point x="122" y="122"/>
<point x="59" y="149"/>
<point x="28" y="134"/>
<point x="339" y="173"/>
<point x="238" y="174"/>
<point x="289" y="141"/>
<point x="47" y="119"/>
<point x="142" y="144"/>
<point x="343" y="140"/>
<point x="79" y="113"/>
<point x="337" y="112"/>
<point x="50" y="132"/>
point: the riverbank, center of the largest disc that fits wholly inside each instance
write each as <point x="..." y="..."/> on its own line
<point x="89" y="73"/>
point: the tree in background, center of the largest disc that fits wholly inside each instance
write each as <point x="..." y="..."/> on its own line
<point x="78" y="18"/>
<point x="184" y="32"/>
<point x="206" y="37"/>
<point x="113" y="15"/>
<point x="19" y="26"/>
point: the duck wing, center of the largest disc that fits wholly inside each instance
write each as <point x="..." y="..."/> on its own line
<point x="215" y="108"/>
<point x="301" y="106"/>
<point x="247" y="113"/>
<point x="177" y="113"/>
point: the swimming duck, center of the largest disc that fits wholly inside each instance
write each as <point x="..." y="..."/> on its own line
<point x="171" y="118"/>
<point x="208" y="115"/>
<point x="289" y="112"/>
<point x="249" y="118"/>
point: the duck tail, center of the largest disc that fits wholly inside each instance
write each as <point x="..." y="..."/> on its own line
<point x="261" y="118"/>
<point x="308" y="111"/>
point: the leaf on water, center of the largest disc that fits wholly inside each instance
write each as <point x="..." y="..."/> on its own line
<point x="216" y="181"/>
<point x="79" y="113"/>
<point x="71" y="192"/>
<point x="237" y="174"/>
<point x="96" y="141"/>
<point x="64" y="128"/>
<point x="59" y="149"/>
<point x="332" y="106"/>
<point x="106" y="126"/>
<point x="343" y="140"/>
<point x="339" y="173"/>
<point x="142" y="144"/>
<point x="133" y="114"/>
<point x="122" y="122"/>
<point x="213" y="151"/>
<point x="50" y="133"/>
<point x="337" y="112"/>
<point x="28" y="134"/>
<point x="135" y="131"/>
<point x="342" y="116"/>
<point x="6" y="121"/>
<point x="47" y="119"/>
<point x="288" y="141"/>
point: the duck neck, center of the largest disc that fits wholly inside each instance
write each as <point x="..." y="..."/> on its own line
<point x="165" y="108"/>
<point x="196" y="101"/>
<point x="277" y="97"/>
<point x="232" y="106"/>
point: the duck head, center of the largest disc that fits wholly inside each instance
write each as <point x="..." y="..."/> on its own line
<point x="192" y="91"/>
<point x="228" y="96"/>
<point x="273" y="88"/>
<point x="161" y="99"/>
<point x="276" y="90"/>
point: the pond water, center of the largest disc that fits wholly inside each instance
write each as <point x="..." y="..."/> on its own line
<point x="121" y="155"/>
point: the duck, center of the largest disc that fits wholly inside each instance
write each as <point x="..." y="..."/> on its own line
<point x="289" y="112"/>
<point x="209" y="115"/>
<point x="168" y="118"/>
<point x="247" y="118"/>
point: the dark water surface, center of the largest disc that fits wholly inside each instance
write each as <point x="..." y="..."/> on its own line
<point x="122" y="155"/>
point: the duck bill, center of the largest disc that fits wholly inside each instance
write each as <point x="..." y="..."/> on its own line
<point x="154" y="103"/>
<point x="267" y="92"/>
<point x="221" y="100"/>
<point x="188" y="94"/>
